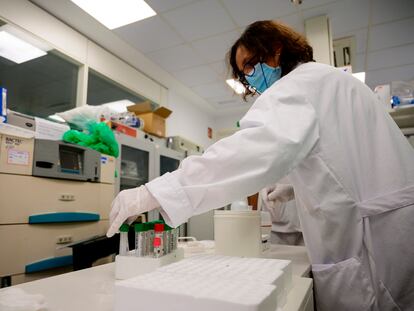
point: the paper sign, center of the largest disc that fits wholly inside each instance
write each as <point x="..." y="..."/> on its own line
<point x="49" y="130"/>
<point x="17" y="157"/>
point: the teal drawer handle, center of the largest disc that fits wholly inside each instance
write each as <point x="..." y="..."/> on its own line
<point x="49" y="263"/>
<point x="63" y="217"/>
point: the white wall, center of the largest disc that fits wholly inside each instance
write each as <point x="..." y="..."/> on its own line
<point x="187" y="120"/>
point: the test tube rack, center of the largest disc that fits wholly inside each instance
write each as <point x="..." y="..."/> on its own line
<point x="130" y="265"/>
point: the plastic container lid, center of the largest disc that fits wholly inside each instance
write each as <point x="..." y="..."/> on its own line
<point x="140" y="227"/>
<point x="124" y="228"/>
<point x="158" y="227"/>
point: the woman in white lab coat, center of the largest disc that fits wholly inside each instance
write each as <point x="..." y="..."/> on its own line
<point x="350" y="165"/>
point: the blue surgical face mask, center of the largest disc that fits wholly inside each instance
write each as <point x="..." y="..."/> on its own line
<point x="263" y="76"/>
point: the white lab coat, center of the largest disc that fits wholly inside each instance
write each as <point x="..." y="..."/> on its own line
<point x="353" y="175"/>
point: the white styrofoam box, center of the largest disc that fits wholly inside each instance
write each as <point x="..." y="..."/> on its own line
<point x="179" y="292"/>
<point x="263" y="271"/>
<point x="131" y="266"/>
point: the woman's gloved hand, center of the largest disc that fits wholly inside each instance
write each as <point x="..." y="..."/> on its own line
<point x="277" y="194"/>
<point x="127" y="205"/>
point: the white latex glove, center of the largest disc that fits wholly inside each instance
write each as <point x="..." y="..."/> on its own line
<point x="275" y="195"/>
<point x="127" y="205"/>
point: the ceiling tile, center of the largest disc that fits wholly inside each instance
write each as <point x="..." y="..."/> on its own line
<point x="220" y="68"/>
<point x="149" y="35"/>
<point x="200" y="19"/>
<point x="176" y="58"/>
<point x="161" y="6"/>
<point x="245" y="12"/>
<point x="295" y="21"/>
<point x="391" y="34"/>
<point x="386" y="10"/>
<point x="393" y="57"/>
<point x="344" y="16"/>
<point x="213" y="90"/>
<point x="215" y="48"/>
<point x="308" y="4"/>
<point x="197" y="76"/>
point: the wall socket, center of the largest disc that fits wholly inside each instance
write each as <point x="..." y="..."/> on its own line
<point x="64" y="239"/>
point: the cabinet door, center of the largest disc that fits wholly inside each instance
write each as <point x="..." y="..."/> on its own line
<point x="134" y="170"/>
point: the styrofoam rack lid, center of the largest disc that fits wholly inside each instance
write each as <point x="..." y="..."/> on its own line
<point x="192" y="292"/>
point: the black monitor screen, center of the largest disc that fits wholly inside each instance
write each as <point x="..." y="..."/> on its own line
<point x="70" y="160"/>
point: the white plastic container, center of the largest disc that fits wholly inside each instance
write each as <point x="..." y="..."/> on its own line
<point x="238" y="233"/>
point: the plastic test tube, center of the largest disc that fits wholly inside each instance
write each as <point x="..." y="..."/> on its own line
<point x="166" y="239"/>
<point x="149" y="248"/>
<point x="158" y="240"/>
<point x="140" y="240"/>
<point x="123" y="240"/>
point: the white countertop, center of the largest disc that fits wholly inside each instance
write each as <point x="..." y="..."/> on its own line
<point x="93" y="290"/>
<point x="298" y="255"/>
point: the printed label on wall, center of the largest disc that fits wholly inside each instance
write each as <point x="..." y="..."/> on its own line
<point x="17" y="157"/>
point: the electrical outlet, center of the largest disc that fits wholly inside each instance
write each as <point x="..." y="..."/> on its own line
<point x="64" y="239"/>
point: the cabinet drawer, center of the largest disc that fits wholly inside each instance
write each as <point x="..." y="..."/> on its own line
<point x="25" y="196"/>
<point x="24" y="244"/>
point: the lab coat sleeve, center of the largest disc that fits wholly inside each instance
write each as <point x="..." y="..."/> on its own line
<point x="276" y="134"/>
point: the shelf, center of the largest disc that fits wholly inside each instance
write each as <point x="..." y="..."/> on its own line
<point x="404" y="116"/>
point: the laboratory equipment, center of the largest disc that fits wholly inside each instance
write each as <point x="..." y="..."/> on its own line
<point x="140" y="240"/>
<point x="218" y="282"/>
<point x="238" y="233"/>
<point x="158" y="240"/>
<point x="123" y="240"/>
<point x="16" y="150"/>
<point x="181" y="144"/>
<point x="21" y="120"/>
<point x="58" y="159"/>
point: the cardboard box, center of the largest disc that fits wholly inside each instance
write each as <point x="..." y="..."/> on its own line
<point x="154" y="120"/>
<point x="107" y="169"/>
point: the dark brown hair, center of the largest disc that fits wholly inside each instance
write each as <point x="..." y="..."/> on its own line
<point x="263" y="39"/>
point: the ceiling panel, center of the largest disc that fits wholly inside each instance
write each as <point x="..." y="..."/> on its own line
<point x="176" y="58"/>
<point x="220" y="68"/>
<point x="392" y="57"/>
<point x="295" y="21"/>
<point x="161" y="6"/>
<point x="386" y="10"/>
<point x="391" y="34"/>
<point x="215" y="48"/>
<point x="197" y="75"/>
<point x="213" y="90"/>
<point x="200" y="19"/>
<point x="359" y="63"/>
<point x="308" y="4"/>
<point x="344" y="15"/>
<point x="245" y="12"/>
<point x="149" y="35"/>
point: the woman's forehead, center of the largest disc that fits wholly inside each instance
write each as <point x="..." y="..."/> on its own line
<point x="242" y="56"/>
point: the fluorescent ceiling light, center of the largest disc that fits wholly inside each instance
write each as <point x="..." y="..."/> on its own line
<point x="116" y="13"/>
<point x="55" y="117"/>
<point x="236" y="86"/>
<point x="120" y="105"/>
<point x="360" y="76"/>
<point x="16" y="49"/>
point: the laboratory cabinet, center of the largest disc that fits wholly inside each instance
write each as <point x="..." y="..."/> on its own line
<point x="28" y="199"/>
<point x="27" y="248"/>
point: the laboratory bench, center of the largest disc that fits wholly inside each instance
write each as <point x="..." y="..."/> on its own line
<point x="93" y="288"/>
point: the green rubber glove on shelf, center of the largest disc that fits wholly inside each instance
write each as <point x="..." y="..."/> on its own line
<point x="100" y="138"/>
